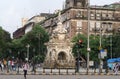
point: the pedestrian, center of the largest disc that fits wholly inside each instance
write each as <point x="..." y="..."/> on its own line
<point x="1" y="65"/>
<point x="116" y="68"/>
<point x="5" y="63"/>
<point x="25" y="68"/>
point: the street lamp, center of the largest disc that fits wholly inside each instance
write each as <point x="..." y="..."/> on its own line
<point x="27" y="52"/>
<point x="88" y="38"/>
<point x="102" y="31"/>
<point x="18" y="62"/>
<point x="100" y="47"/>
<point x="110" y="29"/>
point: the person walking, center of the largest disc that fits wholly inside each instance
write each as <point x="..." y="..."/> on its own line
<point x="25" y="68"/>
<point x="1" y="65"/>
<point x="116" y="68"/>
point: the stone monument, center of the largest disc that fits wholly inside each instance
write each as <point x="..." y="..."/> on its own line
<point x="59" y="49"/>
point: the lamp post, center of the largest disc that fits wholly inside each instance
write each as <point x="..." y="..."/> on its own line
<point x="77" y="62"/>
<point x="110" y="30"/>
<point x="88" y="38"/>
<point x="102" y="31"/>
<point x="18" y="63"/>
<point x="100" y="47"/>
<point x="27" y="52"/>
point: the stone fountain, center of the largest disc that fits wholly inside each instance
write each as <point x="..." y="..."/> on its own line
<point x="59" y="49"/>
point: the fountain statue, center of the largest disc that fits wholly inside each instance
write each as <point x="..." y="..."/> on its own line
<point x="59" y="49"/>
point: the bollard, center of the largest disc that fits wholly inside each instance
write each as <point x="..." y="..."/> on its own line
<point x="51" y="70"/>
<point x="67" y="71"/>
<point x="95" y="70"/>
<point x="59" y="71"/>
<point x="7" y="70"/>
<point x="18" y="70"/>
<point x="43" y="70"/>
<point x="107" y="70"/>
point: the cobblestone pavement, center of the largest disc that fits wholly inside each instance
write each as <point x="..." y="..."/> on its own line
<point x="59" y="77"/>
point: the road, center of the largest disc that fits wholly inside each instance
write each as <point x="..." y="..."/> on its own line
<point x="59" y="77"/>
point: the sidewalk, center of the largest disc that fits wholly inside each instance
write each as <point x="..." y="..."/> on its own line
<point x="41" y="71"/>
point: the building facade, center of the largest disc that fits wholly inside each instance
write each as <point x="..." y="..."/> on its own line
<point x="74" y="18"/>
<point x="28" y="24"/>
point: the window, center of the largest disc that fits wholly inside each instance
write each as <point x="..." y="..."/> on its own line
<point x="104" y="25"/>
<point x="92" y="25"/>
<point x="103" y="15"/>
<point x="98" y="16"/>
<point x="110" y="15"/>
<point x="98" y="25"/>
<point x="79" y="24"/>
<point x="79" y="14"/>
<point x="92" y="16"/>
<point x="109" y="28"/>
<point x="79" y="4"/>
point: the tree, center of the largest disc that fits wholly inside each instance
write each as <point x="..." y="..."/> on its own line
<point x="5" y="40"/>
<point x="116" y="45"/>
<point x="112" y="44"/>
<point x="17" y="48"/>
<point x="94" y="45"/>
<point x="36" y="39"/>
<point x="76" y="49"/>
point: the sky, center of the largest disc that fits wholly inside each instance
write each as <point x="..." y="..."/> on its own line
<point x="12" y="11"/>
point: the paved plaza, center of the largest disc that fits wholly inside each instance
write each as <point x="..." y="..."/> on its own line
<point x="42" y="71"/>
<point x="55" y="74"/>
<point x="59" y="77"/>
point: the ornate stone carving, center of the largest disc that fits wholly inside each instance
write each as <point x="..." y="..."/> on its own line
<point x="59" y="49"/>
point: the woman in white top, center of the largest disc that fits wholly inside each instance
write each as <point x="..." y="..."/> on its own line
<point x="25" y="68"/>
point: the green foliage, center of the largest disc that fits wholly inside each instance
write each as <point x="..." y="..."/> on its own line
<point x="116" y="45"/>
<point x="37" y="59"/>
<point x="94" y="45"/>
<point x="112" y="44"/>
<point x="4" y="42"/>
<point x="36" y="39"/>
<point x="76" y="49"/>
<point x="17" y="48"/>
